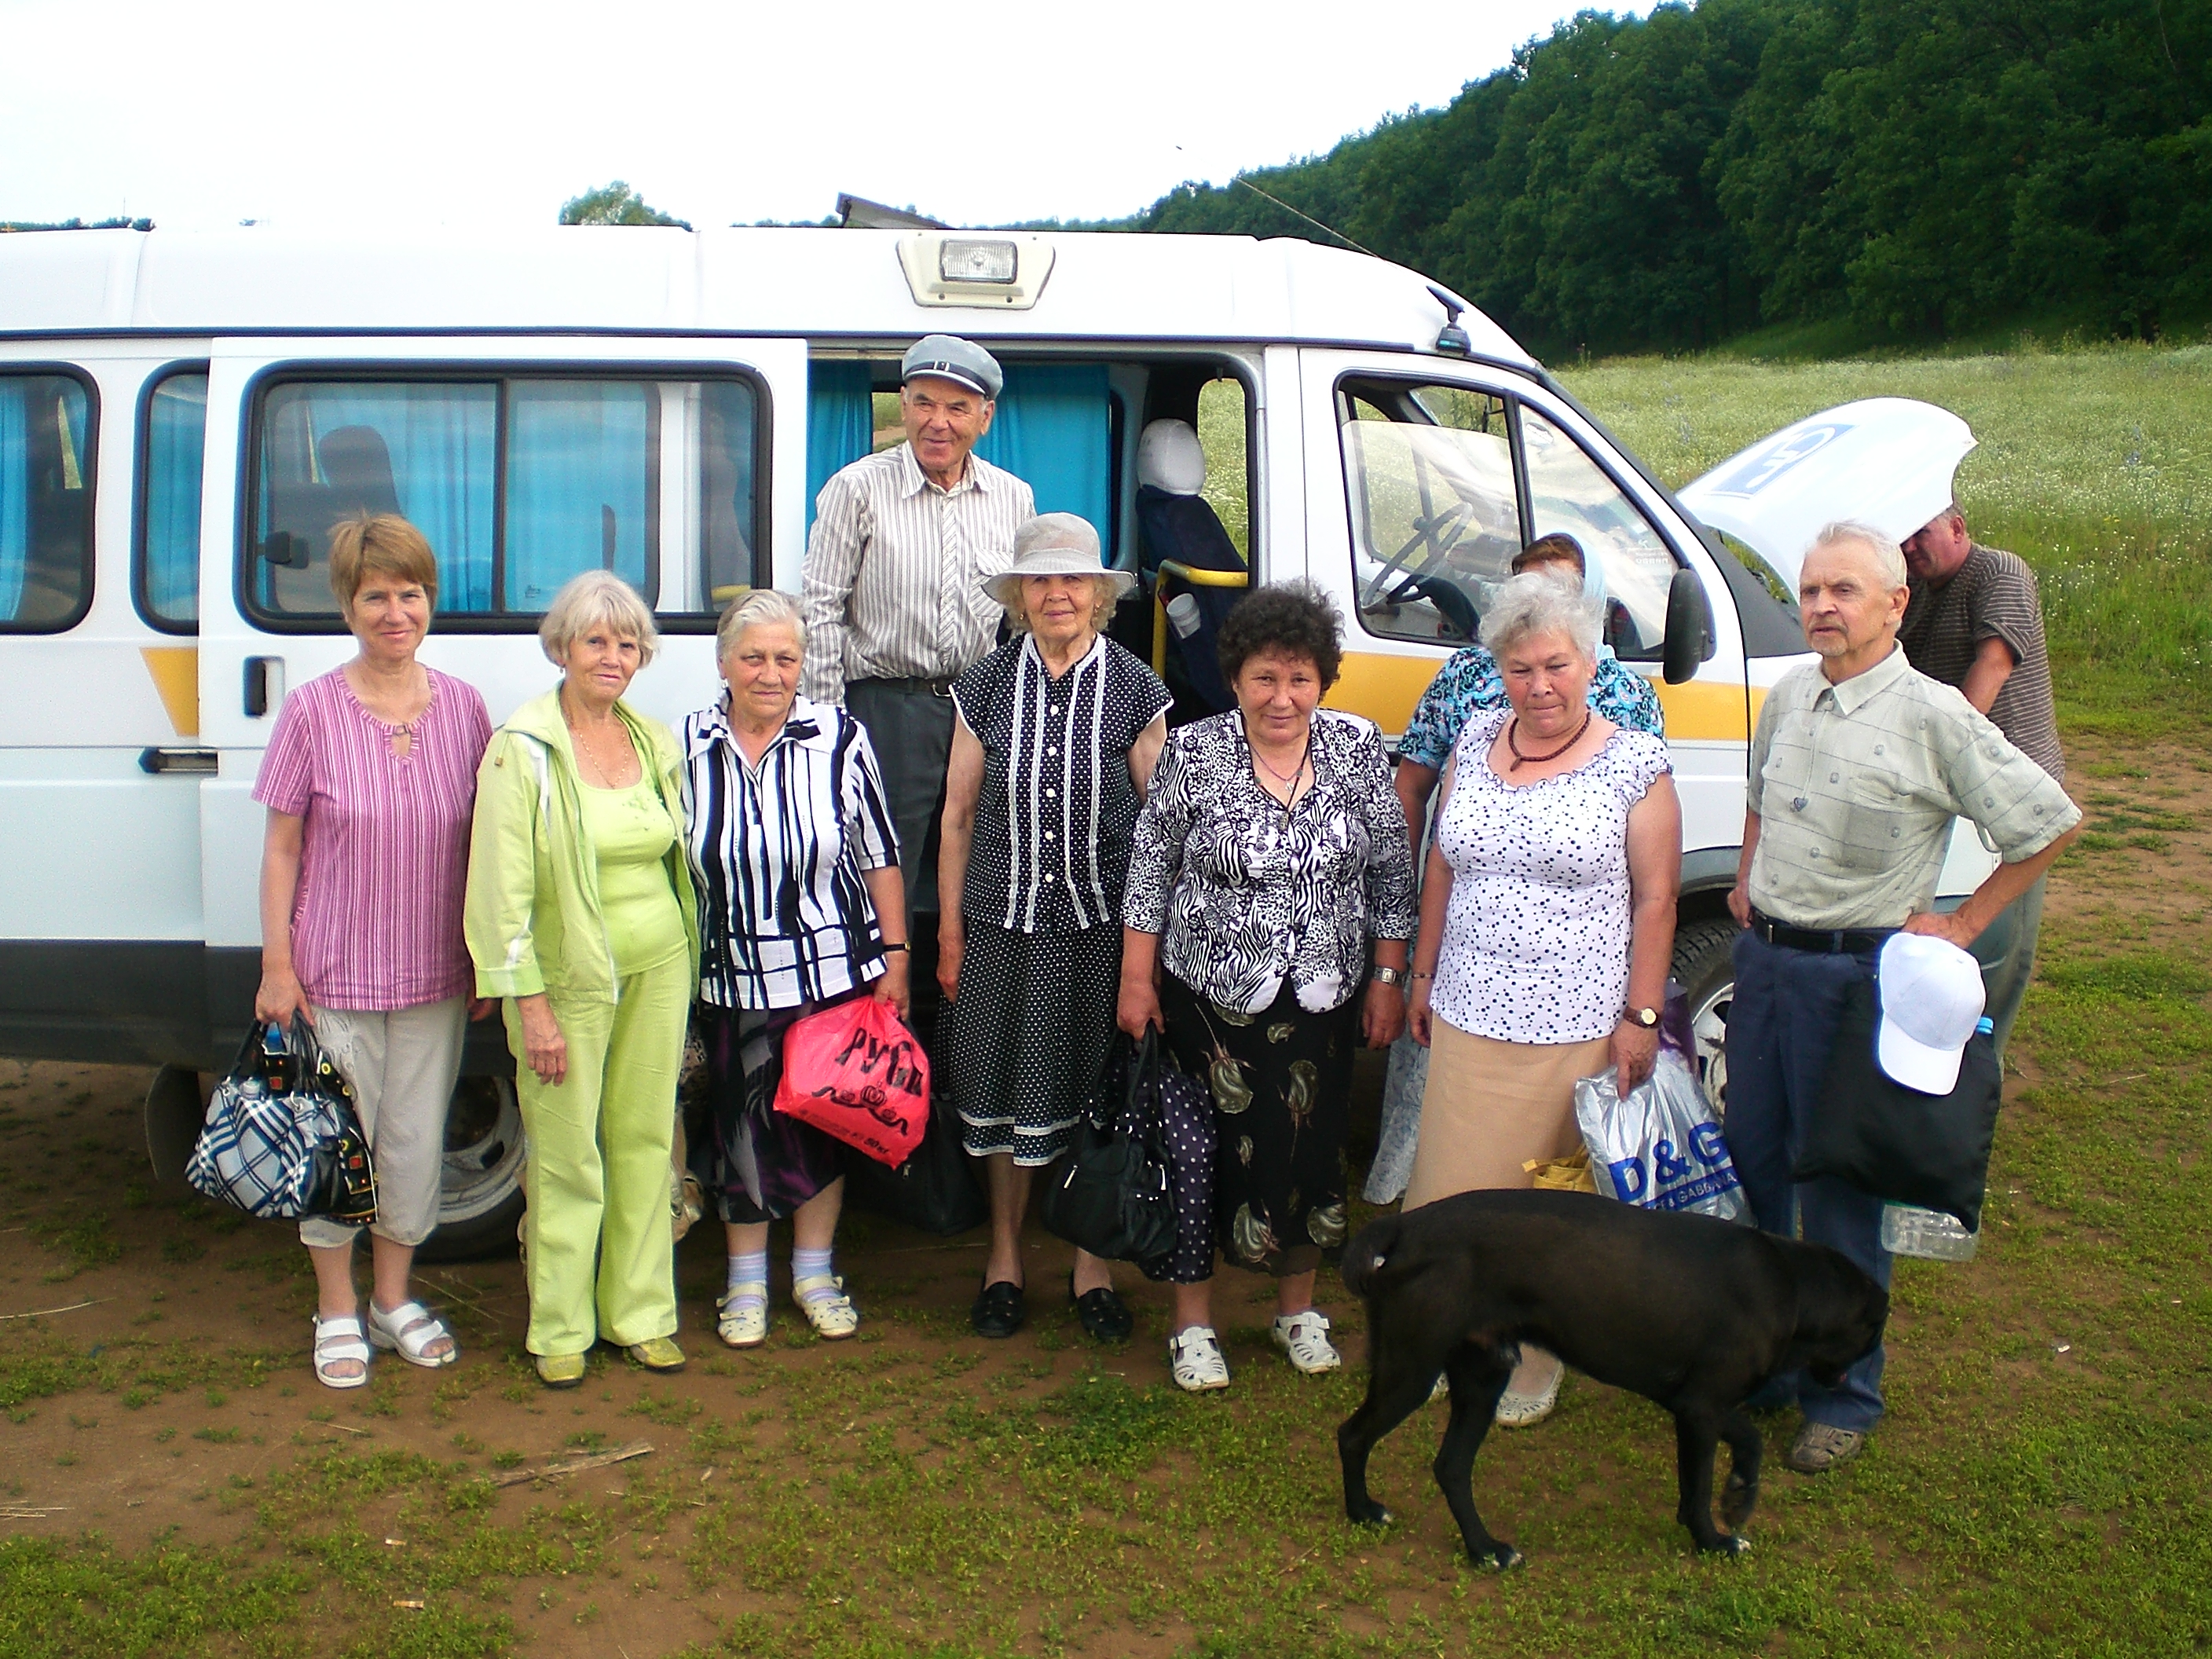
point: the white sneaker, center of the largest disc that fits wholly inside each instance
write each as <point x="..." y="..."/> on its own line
<point x="743" y="1324"/>
<point x="1305" y="1338"/>
<point x="1194" y="1356"/>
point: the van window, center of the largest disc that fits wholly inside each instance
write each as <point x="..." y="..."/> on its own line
<point x="518" y="482"/>
<point x="1568" y="491"/>
<point x="46" y="502"/>
<point x="1221" y="432"/>
<point x="171" y="450"/>
<point x="1436" y="518"/>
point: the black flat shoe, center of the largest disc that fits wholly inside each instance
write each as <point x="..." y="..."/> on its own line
<point x="1105" y="1316"/>
<point x="999" y="1310"/>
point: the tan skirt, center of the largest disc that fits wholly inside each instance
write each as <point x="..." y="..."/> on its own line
<point x="1492" y="1107"/>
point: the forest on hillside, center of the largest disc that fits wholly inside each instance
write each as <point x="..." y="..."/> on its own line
<point x="1905" y="168"/>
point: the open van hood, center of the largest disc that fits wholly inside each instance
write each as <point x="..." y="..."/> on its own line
<point x="1885" y="461"/>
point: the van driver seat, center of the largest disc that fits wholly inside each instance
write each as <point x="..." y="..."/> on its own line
<point x="1177" y="525"/>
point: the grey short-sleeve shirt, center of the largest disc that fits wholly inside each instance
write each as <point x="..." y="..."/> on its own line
<point x="1855" y="785"/>
<point x="1990" y="597"/>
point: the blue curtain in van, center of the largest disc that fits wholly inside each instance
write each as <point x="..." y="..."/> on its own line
<point x="840" y="424"/>
<point x="441" y="440"/>
<point x="14" y="493"/>
<point x="580" y="470"/>
<point x="1053" y="431"/>
<point x="176" y="443"/>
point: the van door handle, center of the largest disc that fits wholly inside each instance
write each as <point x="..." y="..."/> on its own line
<point x="259" y="673"/>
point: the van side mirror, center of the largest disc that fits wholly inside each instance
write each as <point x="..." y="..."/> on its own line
<point x="1689" y="628"/>
<point x="285" y="549"/>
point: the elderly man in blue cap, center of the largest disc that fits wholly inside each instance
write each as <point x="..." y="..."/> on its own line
<point x="893" y="585"/>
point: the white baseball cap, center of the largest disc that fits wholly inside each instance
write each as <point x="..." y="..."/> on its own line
<point x="1931" y="996"/>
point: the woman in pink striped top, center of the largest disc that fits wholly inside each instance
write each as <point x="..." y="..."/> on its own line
<point x="370" y="783"/>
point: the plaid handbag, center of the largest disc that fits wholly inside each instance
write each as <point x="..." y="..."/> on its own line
<point x="282" y="1140"/>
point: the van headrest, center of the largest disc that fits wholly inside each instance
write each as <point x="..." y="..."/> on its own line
<point x="1170" y="458"/>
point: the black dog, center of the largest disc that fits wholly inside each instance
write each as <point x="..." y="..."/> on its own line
<point x="1689" y="1311"/>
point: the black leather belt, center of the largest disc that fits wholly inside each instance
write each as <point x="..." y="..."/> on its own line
<point x="934" y="688"/>
<point x="1807" y="938"/>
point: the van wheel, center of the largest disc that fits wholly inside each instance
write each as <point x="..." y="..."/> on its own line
<point x="481" y="1196"/>
<point x="1705" y="963"/>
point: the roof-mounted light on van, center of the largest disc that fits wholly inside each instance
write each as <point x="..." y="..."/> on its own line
<point x="999" y="273"/>
<point x="1453" y="338"/>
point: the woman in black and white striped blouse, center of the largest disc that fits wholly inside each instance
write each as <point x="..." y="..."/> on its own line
<point x="801" y="905"/>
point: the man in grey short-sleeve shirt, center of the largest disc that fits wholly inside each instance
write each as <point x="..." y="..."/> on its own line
<point x="1858" y="766"/>
<point x="1975" y="622"/>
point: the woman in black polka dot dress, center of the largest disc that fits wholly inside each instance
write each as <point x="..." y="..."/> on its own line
<point x="1057" y="737"/>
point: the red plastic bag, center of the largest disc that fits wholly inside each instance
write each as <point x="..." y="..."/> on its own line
<point x="856" y="1072"/>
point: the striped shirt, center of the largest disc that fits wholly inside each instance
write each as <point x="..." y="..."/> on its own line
<point x="384" y="857"/>
<point x="892" y="587"/>
<point x="1051" y="847"/>
<point x="1855" y="787"/>
<point x="779" y="852"/>
<point x="1991" y="596"/>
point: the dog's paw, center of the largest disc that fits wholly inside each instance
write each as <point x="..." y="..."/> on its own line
<point x="1738" y="1499"/>
<point x="1374" y="1515"/>
<point x="1500" y="1557"/>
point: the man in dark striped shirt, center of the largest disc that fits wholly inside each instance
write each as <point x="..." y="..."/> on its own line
<point x="1975" y="621"/>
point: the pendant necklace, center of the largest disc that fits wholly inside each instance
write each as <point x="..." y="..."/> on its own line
<point x="1521" y="760"/>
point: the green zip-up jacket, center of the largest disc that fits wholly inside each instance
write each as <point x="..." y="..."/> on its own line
<point x="532" y="914"/>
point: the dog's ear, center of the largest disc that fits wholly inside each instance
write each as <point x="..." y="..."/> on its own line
<point x="1841" y="1310"/>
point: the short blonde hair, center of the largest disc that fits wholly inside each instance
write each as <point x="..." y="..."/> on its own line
<point x="764" y="607"/>
<point x="1105" y="595"/>
<point x="387" y="545"/>
<point x="597" y="599"/>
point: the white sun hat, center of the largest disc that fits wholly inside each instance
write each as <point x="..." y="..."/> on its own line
<point x="1055" y="545"/>
<point x="1931" y="996"/>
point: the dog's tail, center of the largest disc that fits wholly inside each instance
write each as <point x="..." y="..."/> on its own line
<point x="1364" y="1256"/>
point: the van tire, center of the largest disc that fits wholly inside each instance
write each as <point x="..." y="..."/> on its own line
<point x="482" y="1198"/>
<point x="1704" y="966"/>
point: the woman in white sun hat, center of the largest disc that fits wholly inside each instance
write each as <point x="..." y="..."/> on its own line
<point x="1057" y="735"/>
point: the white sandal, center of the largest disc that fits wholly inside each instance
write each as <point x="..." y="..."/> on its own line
<point x="821" y="1298"/>
<point x="1305" y="1338"/>
<point x="1525" y="1410"/>
<point x="744" y="1320"/>
<point x="1195" y="1358"/>
<point x="408" y="1330"/>
<point x="338" y="1338"/>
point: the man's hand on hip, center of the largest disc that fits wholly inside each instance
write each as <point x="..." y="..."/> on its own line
<point x="1953" y="928"/>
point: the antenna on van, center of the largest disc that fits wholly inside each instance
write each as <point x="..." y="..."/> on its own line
<point x="1308" y="217"/>
<point x="1453" y="338"/>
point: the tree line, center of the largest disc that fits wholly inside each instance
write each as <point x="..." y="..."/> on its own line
<point x="1908" y="167"/>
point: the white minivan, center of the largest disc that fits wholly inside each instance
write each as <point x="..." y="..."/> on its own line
<point x="183" y="417"/>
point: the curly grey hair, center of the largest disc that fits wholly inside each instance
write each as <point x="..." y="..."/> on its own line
<point x="764" y="607"/>
<point x="1888" y="557"/>
<point x="1533" y="604"/>
<point x="597" y="599"/>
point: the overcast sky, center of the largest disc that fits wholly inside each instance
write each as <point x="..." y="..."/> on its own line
<point x="299" y="112"/>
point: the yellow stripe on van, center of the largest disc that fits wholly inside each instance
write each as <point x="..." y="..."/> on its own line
<point x="1386" y="689"/>
<point x="176" y="672"/>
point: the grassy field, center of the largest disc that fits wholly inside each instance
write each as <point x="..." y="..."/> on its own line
<point x="173" y="1483"/>
<point x="2095" y="466"/>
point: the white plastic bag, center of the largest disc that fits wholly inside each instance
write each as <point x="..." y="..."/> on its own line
<point x="1660" y="1148"/>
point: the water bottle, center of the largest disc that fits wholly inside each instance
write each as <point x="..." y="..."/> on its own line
<point x="1907" y="1230"/>
<point x="1183" y="614"/>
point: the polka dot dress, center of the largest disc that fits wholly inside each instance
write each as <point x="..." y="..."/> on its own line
<point x="1535" y="944"/>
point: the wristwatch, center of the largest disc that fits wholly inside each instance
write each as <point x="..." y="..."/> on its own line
<point x="1647" y="1017"/>
<point x="1382" y="975"/>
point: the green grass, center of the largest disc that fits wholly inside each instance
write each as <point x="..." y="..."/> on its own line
<point x="2094" y="464"/>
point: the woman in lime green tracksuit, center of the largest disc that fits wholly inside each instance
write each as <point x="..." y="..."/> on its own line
<point x="580" y="915"/>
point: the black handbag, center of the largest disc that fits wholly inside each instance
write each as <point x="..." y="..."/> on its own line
<point x="1112" y="1196"/>
<point x="1896" y="1143"/>
<point x="935" y="1189"/>
<point x="281" y="1139"/>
